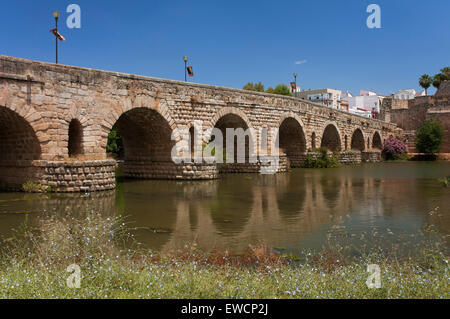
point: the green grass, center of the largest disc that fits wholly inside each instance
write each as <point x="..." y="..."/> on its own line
<point x="34" y="266"/>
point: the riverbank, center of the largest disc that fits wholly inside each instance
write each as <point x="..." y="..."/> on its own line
<point x="34" y="266"/>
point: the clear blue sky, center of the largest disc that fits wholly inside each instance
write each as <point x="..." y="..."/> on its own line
<point x="232" y="42"/>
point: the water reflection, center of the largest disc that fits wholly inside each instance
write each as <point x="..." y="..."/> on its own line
<point x="288" y="211"/>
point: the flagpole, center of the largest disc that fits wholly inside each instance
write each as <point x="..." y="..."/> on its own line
<point x="56" y="15"/>
<point x="185" y="68"/>
<point x="56" y="39"/>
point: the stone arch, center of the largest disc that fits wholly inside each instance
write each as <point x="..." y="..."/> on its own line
<point x="358" y="140"/>
<point x="376" y="141"/>
<point x="146" y="135"/>
<point x="292" y="140"/>
<point x="75" y="143"/>
<point x="117" y="110"/>
<point x="235" y="121"/>
<point x="331" y="138"/>
<point x="19" y="147"/>
<point x="18" y="139"/>
<point x="229" y="110"/>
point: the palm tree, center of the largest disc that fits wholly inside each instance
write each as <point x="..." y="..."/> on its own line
<point x="437" y="79"/>
<point x="446" y="73"/>
<point x="425" y="81"/>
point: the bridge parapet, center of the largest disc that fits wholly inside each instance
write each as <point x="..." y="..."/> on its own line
<point x="67" y="113"/>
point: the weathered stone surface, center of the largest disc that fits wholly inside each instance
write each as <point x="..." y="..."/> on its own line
<point x="49" y="113"/>
<point x="410" y="114"/>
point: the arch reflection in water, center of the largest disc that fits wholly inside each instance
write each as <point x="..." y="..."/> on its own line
<point x="293" y="210"/>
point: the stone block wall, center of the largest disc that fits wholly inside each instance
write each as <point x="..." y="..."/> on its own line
<point x="43" y="99"/>
<point x="59" y="176"/>
<point x="13" y="174"/>
<point x="410" y="114"/>
<point x="371" y="157"/>
<point x="258" y="167"/>
<point x="170" y="170"/>
<point x="77" y="176"/>
<point x="350" y="158"/>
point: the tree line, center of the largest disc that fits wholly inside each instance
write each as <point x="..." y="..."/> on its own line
<point x="259" y="87"/>
<point x="426" y="81"/>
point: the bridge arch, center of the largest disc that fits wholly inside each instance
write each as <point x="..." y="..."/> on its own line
<point x="376" y="141"/>
<point x="358" y="140"/>
<point x="116" y="111"/>
<point x="227" y="111"/>
<point x="19" y="147"/>
<point x="146" y="135"/>
<point x="331" y="138"/>
<point x="235" y="121"/>
<point x="292" y="139"/>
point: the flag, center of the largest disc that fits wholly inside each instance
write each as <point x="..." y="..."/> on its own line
<point x="57" y="35"/>
<point x="293" y="86"/>
<point x="190" y="71"/>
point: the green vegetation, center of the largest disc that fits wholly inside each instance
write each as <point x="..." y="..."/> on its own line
<point x="115" y="144"/>
<point x="32" y="187"/>
<point x="323" y="160"/>
<point x="429" y="137"/>
<point x="259" y="87"/>
<point x="425" y="82"/>
<point x="250" y="86"/>
<point x="441" y="77"/>
<point x="34" y="265"/>
<point x="445" y="181"/>
<point x="282" y="90"/>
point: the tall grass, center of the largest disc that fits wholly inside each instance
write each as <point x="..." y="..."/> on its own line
<point x="33" y="265"/>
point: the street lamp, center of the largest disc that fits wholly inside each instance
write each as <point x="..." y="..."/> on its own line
<point x="295" y="80"/>
<point x="56" y="16"/>
<point x="185" y="59"/>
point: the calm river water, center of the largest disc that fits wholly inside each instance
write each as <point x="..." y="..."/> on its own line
<point x="289" y="212"/>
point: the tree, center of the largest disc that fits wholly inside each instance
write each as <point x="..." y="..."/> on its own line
<point x="115" y="144"/>
<point x="446" y="73"/>
<point x="269" y="90"/>
<point x="441" y="77"/>
<point x="250" y="86"/>
<point x="429" y="137"/>
<point x="425" y="81"/>
<point x="437" y="79"/>
<point x="282" y="90"/>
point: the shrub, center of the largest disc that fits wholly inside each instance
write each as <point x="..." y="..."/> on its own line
<point x="429" y="137"/>
<point x="394" y="149"/>
<point x="445" y="182"/>
<point x="323" y="161"/>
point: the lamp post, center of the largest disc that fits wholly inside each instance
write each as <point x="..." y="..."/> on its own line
<point x="295" y="80"/>
<point x="185" y="59"/>
<point x="56" y="16"/>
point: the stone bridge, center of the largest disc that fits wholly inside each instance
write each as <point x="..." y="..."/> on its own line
<point x="55" y="121"/>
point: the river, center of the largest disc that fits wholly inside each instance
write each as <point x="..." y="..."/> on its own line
<point x="299" y="210"/>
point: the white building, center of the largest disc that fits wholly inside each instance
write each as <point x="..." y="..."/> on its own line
<point x="368" y="102"/>
<point x="407" y="94"/>
<point x="327" y="97"/>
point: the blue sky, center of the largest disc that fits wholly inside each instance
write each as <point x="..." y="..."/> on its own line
<point x="230" y="43"/>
